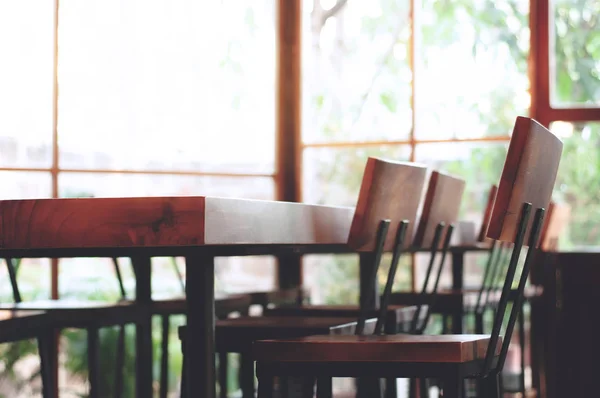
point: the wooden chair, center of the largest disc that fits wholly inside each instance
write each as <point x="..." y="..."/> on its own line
<point x="440" y="209"/>
<point x="557" y="219"/>
<point x="382" y="180"/>
<point x="79" y="314"/>
<point x="457" y="303"/>
<point x="439" y="213"/>
<point x="526" y="183"/>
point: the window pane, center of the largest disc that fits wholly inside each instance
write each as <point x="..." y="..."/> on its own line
<point x="334" y="279"/>
<point x="332" y="176"/>
<point x="578" y="181"/>
<point x="356" y="73"/>
<point x="115" y="185"/>
<point x="471" y="78"/>
<point x="480" y="165"/>
<point x="25" y="185"/>
<point x="167" y="85"/>
<point x="26" y="82"/>
<point x="576" y="53"/>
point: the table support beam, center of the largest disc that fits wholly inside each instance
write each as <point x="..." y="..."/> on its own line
<point x="200" y="338"/>
<point x="143" y="334"/>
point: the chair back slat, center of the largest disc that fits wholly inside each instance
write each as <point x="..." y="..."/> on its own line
<point x="441" y="205"/>
<point x="528" y="176"/>
<point x="389" y="191"/>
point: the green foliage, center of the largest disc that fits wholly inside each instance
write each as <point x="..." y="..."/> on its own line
<point x="577" y="51"/>
<point x="489" y="28"/>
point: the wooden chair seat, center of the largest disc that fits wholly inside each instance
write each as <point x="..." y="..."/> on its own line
<point x="398" y="317"/>
<point x="385" y="348"/>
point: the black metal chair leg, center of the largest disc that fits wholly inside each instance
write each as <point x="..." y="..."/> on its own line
<point x="324" y="387"/>
<point x="412" y="388"/>
<point x="490" y="387"/>
<point x="120" y="365"/>
<point x="46" y="368"/>
<point x="300" y="387"/>
<point x="246" y="374"/>
<point x="93" y="362"/>
<point x="223" y="371"/>
<point x="391" y="388"/>
<point x="453" y="387"/>
<point x="368" y="387"/>
<point x="164" y="358"/>
<point x="423" y="388"/>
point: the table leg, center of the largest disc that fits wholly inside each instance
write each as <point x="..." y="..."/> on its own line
<point x="458" y="259"/>
<point x="200" y="337"/>
<point x="143" y="331"/>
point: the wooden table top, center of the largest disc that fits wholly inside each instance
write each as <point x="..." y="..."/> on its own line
<point x="168" y="226"/>
<point x="166" y="222"/>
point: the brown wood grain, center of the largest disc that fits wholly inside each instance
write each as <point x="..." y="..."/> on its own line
<point x="442" y="204"/>
<point x="167" y="221"/>
<point x="485" y="223"/>
<point x="557" y="219"/>
<point x="389" y="190"/>
<point x="107" y="222"/>
<point x="386" y="348"/>
<point x="528" y="176"/>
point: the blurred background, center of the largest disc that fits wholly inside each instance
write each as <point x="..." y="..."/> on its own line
<point x="179" y="97"/>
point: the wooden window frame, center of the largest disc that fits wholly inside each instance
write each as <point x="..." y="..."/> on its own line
<point x="289" y="146"/>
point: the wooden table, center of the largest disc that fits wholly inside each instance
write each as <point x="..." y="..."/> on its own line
<point x="196" y="227"/>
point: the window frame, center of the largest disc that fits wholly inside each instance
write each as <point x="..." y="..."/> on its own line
<point x="289" y="147"/>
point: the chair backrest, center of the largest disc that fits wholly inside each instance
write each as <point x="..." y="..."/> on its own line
<point x="528" y="177"/>
<point x="485" y="223"/>
<point x="557" y="219"/>
<point x="389" y="191"/>
<point x="526" y="183"/>
<point x="441" y="205"/>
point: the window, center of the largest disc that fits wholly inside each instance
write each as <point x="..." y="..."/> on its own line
<point x="154" y="97"/>
<point x="409" y="81"/>
<point x="158" y="97"/>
